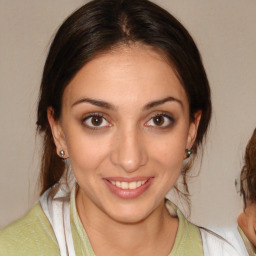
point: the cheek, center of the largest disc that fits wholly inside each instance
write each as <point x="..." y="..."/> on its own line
<point x="170" y="150"/>
<point x="86" y="152"/>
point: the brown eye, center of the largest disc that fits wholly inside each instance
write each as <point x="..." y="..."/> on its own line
<point x="95" y="121"/>
<point x="158" y="120"/>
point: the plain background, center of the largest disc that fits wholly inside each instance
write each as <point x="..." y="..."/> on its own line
<point x="225" y="32"/>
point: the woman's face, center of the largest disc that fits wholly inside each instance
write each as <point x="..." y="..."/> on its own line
<point x="125" y="127"/>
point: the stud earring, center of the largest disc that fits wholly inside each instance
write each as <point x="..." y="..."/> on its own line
<point x="188" y="152"/>
<point x="62" y="153"/>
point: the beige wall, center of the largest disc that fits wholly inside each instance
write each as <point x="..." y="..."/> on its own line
<point x="225" y="32"/>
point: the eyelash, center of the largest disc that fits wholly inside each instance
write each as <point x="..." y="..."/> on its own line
<point x="95" y="115"/>
<point x="170" y="119"/>
<point x="102" y="116"/>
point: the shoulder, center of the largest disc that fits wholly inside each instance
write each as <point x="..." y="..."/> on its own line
<point x="29" y="235"/>
<point x="215" y="245"/>
<point x="188" y="240"/>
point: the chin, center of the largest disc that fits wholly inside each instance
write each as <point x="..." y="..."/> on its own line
<point x="130" y="213"/>
<point x="131" y="218"/>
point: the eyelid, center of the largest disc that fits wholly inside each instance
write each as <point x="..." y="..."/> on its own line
<point x="163" y="114"/>
<point x="95" y="114"/>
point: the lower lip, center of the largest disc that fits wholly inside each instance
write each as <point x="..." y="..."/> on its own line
<point x="128" y="193"/>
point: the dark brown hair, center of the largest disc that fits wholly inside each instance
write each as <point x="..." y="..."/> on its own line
<point x="98" y="27"/>
<point x="248" y="173"/>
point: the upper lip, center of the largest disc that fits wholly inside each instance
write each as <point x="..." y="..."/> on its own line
<point x="125" y="179"/>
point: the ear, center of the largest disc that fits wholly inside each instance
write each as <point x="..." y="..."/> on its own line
<point x="193" y="127"/>
<point x="57" y="133"/>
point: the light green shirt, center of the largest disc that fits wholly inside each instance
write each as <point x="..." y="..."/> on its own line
<point x="33" y="235"/>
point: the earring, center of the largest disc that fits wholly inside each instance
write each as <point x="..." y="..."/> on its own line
<point x="62" y="153"/>
<point x="188" y="152"/>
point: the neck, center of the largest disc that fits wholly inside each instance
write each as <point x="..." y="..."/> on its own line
<point x="149" y="236"/>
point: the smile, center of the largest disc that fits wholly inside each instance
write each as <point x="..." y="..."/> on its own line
<point x="128" y="189"/>
<point x="128" y="185"/>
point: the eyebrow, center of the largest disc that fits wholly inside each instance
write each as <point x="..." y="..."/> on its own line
<point x="98" y="103"/>
<point x="162" y="101"/>
<point x="104" y="104"/>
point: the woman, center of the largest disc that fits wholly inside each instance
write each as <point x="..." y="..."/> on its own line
<point x="124" y="101"/>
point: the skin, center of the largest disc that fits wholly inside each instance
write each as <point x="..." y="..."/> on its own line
<point x="247" y="222"/>
<point x="128" y="144"/>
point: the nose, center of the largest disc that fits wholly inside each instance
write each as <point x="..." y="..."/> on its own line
<point x="129" y="151"/>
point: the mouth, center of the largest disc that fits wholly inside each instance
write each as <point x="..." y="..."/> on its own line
<point x="128" y="185"/>
<point x="128" y="188"/>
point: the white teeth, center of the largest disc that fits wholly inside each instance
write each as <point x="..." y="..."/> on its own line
<point x="124" y="185"/>
<point x="132" y="185"/>
<point x="138" y="184"/>
<point x="128" y="185"/>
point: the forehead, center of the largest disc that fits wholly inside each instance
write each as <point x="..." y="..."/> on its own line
<point x="127" y="74"/>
